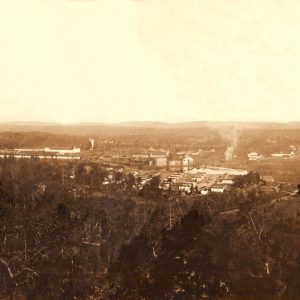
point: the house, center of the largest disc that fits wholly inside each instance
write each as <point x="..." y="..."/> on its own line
<point x="229" y="179"/>
<point x="198" y="179"/>
<point x="179" y="175"/>
<point x="173" y="178"/>
<point x="144" y="180"/>
<point x="188" y="182"/>
<point x="180" y="161"/>
<point x="187" y="160"/>
<point x="185" y="187"/>
<point x="254" y="156"/>
<point x="165" y="184"/>
<point x="218" y="188"/>
<point x="204" y="191"/>
<point x="160" y="161"/>
<point x="182" y="187"/>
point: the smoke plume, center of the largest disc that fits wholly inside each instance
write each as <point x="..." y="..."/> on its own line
<point x="92" y="141"/>
<point x="232" y="137"/>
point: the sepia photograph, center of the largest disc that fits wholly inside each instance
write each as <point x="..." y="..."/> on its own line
<point x="149" y="150"/>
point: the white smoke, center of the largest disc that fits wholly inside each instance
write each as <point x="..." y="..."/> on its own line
<point x="92" y="141"/>
<point x="231" y="135"/>
<point x="229" y="153"/>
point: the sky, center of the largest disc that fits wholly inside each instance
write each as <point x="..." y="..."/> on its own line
<point x="74" y="61"/>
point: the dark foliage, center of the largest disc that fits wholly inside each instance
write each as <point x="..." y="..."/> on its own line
<point x="59" y="241"/>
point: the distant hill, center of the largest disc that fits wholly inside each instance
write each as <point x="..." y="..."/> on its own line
<point x="133" y="127"/>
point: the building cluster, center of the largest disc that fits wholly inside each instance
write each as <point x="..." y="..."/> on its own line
<point x="224" y="184"/>
<point x="186" y="182"/>
<point x="254" y="156"/>
<point x="203" y="181"/>
<point x="152" y="158"/>
<point x="179" y="173"/>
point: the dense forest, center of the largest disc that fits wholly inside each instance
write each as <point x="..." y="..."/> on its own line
<point x="11" y="140"/>
<point x="63" y="235"/>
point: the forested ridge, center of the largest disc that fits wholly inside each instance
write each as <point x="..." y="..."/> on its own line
<point x="64" y="238"/>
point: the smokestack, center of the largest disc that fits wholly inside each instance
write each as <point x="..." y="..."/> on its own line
<point x="92" y="141"/>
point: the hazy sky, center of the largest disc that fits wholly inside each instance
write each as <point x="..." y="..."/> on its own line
<point x="149" y="60"/>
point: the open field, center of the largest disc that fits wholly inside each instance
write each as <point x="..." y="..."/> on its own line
<point x="282" y="170"/>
